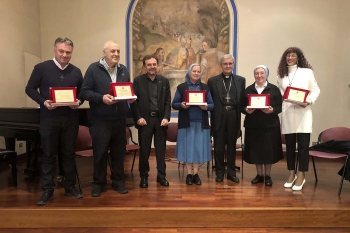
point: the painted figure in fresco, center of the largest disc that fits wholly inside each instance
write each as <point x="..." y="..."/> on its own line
<point x="181" y="61"/>
<point x="160" y="55"/>
<point x="190" y="53"/>
<point x="210" y="61"/>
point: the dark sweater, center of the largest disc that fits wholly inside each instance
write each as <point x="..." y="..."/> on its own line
<point x="46" y="75"/>
<point x="259" y="119"/>
<point x="96" y="85"/>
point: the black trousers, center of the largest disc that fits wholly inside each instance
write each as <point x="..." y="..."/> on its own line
<point x="108" y="135"/>
<point x="58" y="134"/>
<point x="303" y="140"/>
<point x="146" y="134"/>
<point x="226" y="135"/>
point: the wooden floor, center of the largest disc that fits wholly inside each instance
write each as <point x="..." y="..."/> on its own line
<point x="210" y="207"/>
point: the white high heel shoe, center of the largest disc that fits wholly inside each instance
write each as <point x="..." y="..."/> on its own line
<point x="289" y="185"/>
<point x="297" y="188"/>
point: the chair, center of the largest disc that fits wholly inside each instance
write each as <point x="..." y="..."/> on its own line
<point x="10" y="157"/>
<point x="336" y="134"/>
<point x="133" y="146"/>
<point x="238" y="146"/>
<point x="171" y="136"/>
<point x="283" y="139"/>
<point x="83" y="146"/>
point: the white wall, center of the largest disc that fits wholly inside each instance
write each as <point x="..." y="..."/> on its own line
<point x="320" y="29"/>
<point x="265" y="29"/>
<point x="20" y="33"/>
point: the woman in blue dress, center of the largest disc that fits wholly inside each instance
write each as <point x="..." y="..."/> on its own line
<point x="193" y="140"/>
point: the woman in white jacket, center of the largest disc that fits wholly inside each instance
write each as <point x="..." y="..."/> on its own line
<point x="295" y="71"/>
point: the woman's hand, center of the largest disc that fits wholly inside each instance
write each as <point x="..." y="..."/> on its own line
<point x="183" y="105"/>
<point x="303" y="105"/>
<point x="249" y="110"/>
<point x="204" y="107"/>
<point x="268" y="110"/>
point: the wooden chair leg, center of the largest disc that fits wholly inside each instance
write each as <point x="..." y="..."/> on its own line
<point x="342" y="178"/>
<point x="110" y="164"/>
<point x="296" y="164"/>
<point x="133" y="162"/>
<point x="313" y="163"/>
<point x="242" y="159"/>
<point x="212" y="159"/>
<point x="208" y="164"/>
<point x="14" y="169"/>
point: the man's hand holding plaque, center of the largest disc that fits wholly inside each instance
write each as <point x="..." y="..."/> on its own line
<point x="122" y="91"/>
<point x="258" y="101"/>
<point x="296" y="96"/>
<point x="63" y="96"/>
<point x="197" y="97"/>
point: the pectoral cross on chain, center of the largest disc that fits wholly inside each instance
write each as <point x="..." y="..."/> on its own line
<point x="61" y="78"/>
<point x="227" y="98"/>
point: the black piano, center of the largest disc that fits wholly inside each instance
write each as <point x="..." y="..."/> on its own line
<point x="23" y="124"/>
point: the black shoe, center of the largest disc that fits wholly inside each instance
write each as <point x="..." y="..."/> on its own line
<point x="162" y="181"/>
<point x="96" y="191"/>
<point x="189" y="179"/>
<point x="197" y="180"/>
<point x="73" y="192"/>
<point x="120" y="189"/>
<point x="219" y="179"/>
<point x="258" y="179"/>
<point x="233" y="178"/>
<point x="268" y="181"/>
<point x="143" y="183"/>
<point x="44" y="199"/>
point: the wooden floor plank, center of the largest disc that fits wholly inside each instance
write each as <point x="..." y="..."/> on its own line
<point x="219" y="205"/>
<point x="178" y="230"/>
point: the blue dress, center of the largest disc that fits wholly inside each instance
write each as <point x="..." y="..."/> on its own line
<point x="193" y="143"/>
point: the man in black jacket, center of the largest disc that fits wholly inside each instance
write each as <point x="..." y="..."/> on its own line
<point x="108" y="118"/>
<point x="58" y="125"/>
<point x="151" y="113"/>
<point x="227" y="91"/>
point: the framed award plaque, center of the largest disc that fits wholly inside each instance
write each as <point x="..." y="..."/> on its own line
<point x="198" y="97"/>
<point x="258" y="101"/>
<point x="295" y="95"/>
<point x="63" y="96"/>
<point x="122" y="91"/>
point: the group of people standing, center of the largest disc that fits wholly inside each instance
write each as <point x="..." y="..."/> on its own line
<point x="263" y="128"/>
<point x="226" y="99"/>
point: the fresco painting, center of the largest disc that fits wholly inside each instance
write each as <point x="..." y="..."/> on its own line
<point x="180" y="33"/>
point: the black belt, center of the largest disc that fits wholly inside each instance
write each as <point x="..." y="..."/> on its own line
<point x="153" y="114"/>
<point x="230" y="107"/>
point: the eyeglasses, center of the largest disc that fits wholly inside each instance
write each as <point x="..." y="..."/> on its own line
<point x="227" y="64"/>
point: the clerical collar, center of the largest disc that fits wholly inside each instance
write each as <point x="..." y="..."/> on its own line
<point x="226" y="76"/>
